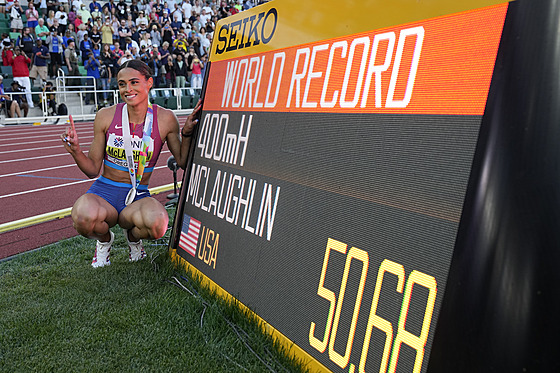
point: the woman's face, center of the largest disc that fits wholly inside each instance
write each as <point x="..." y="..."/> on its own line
<point x="133" y="86"/>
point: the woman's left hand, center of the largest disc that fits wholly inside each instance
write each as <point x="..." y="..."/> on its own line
<point x="191" y="121"/>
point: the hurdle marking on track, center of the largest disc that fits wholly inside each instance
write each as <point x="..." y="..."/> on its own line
<point x="27" y="222"/>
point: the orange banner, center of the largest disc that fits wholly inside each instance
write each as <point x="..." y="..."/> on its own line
<point x="437" y="66"/>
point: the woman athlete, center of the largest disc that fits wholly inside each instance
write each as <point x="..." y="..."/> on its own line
<point x="116" y="197"/>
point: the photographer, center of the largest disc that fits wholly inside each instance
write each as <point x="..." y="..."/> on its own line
<point x="127" y="56"/>
<point x="50" y="96"/>
<point x="20" y="70"/>
<point x="11" y="106"/>
<point x="20" y="98"/>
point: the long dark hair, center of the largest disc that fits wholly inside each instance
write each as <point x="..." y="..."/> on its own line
<point x="139" y="66"/>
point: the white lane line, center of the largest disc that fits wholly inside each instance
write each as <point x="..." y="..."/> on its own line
<point x="38" y="170"/>
<point x="35" y="130"/>
<point x="42" y="140"/>
<point x="57" y="186"/>
<point x="38" y="134"/>
<point x="25" y="222"/>
<point x="32" y="158"/>
<point x="33" y="149"/>
<point x="45" y="188"/>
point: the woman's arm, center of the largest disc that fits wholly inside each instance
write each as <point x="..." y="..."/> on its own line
<point x="90" y="164"/>
<point x="178" y="141"/>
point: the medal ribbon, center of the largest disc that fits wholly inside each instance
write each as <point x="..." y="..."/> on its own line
<point x="136" y="177"/>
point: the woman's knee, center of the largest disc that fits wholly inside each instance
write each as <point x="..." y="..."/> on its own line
<point x="87" y="213"/>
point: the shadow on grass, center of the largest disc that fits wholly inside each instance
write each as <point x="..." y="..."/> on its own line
<point x="59" y="314"/>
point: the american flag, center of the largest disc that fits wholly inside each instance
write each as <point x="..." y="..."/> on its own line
<point x="189" y="234"/>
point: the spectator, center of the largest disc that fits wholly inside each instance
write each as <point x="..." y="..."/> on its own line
<point x="62" y="17"/>
<point x="42" y="31"/>
<point x="155" y="35"/>
<point x="72" y="30"/>
<point x="121" y="10"/>
<point x="205" y="41"/>
<point x="141" y="19"/>
<point x="177" y="23"/>
<point x="94" y="4"/>
<point x="77" y="4"/>
<point x="124" y="32"/>
<point x="41" y="57"/>
<point x="20" y="70"/>
<point x="134" y="10"/>
<point x="146" y="42"/>
<point x="196" y="77"/>
<point x="110" y="6"/>
<point x="117" y="51"/>
<point x="86" y="47"/>
<point x="107" y="33"/>
<point x="65" y="4"/>
<point x="153" y="16"/>
<point x="16" y="23"/>
<point x="96" y="13"/>
<point x="165" y="18"/>
<point x="204" y="17"/>
<point x="72" y="16"/>
<point x="32" y="15"/>
<point x="131" y="44"/>
<point x="7" y="53"/>
<point x="49" y="95"/>
<point x="80" y="34"/>
<point x="127" y="56"/>
<point x="95" y="36"/>
<point x="96" y="51"/>
<point x="43" y="8"/>
<point x="135" y="35"/>
<point x="197" y="8"/>
<point x="78" y="22"/>
<point x="165" y="52"/>
<point x="71" y="58"/>
<point x="84" y="12"/>
<point x="11" y="106"/>
<point x="50" y="19"/>
<point x="177" y="11"/>
<point x="106" y="69"/>
<point x="181" y="71"/>
<point x="187" y="9"/>
<point x="180" y="44"/>
<point x="92" y="66"/>
<point x="26" y="42"/>
<point x="167" y="34"/>
<point x="55" y="43"/>
<point x="23" y="100"/>
<point x="129" y="21"/>
<point x="169" y="76"/>
<point x="146" y="56"/>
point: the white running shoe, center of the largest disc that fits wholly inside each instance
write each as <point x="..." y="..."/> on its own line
<point x="102" y="253"/>
<point x="135" y="249"/>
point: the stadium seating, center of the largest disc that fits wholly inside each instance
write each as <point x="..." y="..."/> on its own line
<point x="6" y="71"/>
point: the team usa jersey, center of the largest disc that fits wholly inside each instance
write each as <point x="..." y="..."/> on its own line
<point x="114" y="150"/>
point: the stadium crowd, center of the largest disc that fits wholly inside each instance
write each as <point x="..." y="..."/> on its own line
<point x="95" y="37"/>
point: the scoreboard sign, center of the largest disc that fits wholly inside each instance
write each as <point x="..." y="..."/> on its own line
<point x="331" y="167"/>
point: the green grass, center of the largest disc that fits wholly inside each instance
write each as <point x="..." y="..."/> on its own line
<point x="58" y="314"/>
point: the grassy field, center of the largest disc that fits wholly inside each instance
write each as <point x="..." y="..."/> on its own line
<point x="58" y="314"/>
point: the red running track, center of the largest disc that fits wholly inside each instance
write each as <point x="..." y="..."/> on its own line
<point x="38" y="176"/>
